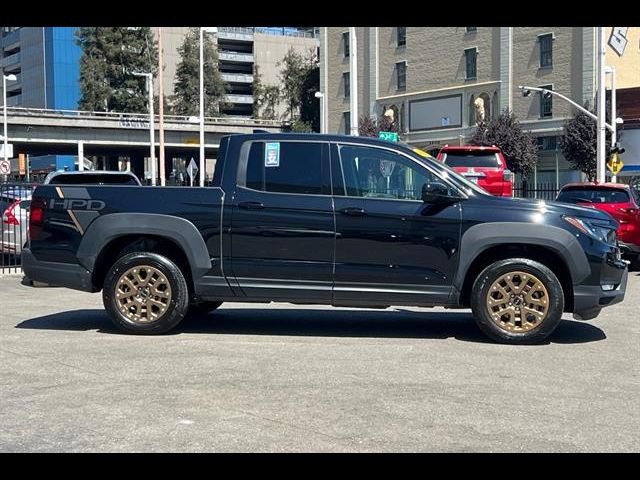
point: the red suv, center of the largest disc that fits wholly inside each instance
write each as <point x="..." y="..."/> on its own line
<point x="485" y="166"/>
<point x="618" y="200"/>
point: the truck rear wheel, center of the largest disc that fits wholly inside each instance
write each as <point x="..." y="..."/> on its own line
<point x="517" y="301"/>
<point x="145" y="293"/>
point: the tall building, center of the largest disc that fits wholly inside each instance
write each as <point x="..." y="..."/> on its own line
<point x="46" y="62"/>
<point x="441" y="81"/>
<point x="240" y="49"/>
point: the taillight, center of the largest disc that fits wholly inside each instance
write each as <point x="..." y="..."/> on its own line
<point x="36" y="218"/>
<point x="507" y="176"/>
<point x="9" y="218"/>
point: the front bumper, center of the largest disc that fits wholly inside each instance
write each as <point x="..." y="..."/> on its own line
<point x="589" y="300"/>
<point x="59" y="274"/>
<point x="629" y="249"/>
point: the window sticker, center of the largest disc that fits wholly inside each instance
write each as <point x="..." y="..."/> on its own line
<point x="272" y="155"/>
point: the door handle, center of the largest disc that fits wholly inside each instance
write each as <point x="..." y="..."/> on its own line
<point x="355" y="211"/>
<point x="251" y="205"/>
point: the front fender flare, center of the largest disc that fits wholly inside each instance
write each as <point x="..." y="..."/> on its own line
<point x="479" y="238"/>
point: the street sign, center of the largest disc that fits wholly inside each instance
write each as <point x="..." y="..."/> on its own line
<point x="390" y="136"/>
<point x="22" y="163"/>
<point x="615" y="164"/>
<point x="616" y="167"/>
<point x="9" y="150"/>
<point x="5" y="167"/>
<point x="192" y="169"/>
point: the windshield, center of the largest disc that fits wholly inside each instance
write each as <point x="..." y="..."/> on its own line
<point x="446" y="171"/>
<point x="471" y="159"/>
<point x="100" y="179"/>
<point x="593" y="195"/>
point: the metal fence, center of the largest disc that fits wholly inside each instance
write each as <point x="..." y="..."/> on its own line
<point x="542" y="191"/>
<point x="15" y="200"/>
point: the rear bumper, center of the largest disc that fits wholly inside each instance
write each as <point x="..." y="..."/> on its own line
<point x="59" y="274"/>
<point x="589" y="300"/>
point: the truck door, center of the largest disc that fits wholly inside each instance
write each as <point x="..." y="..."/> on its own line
<point x="282" y="228"/>
<point x="391" y="247"/>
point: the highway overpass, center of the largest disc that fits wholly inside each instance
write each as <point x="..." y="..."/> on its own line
<point x="112" y="135"/>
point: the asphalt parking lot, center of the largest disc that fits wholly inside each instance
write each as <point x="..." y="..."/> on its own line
<point x="279" y="377"/>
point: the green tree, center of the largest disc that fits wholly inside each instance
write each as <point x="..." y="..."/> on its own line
<point x="579" y="143"/>
<point x="186" y="98"/>
<point x="309" y="104"/>
<point x="370" y="127"/>
<point x="265" y="97"/>
<point x="292" y="76"/>
<point x="518" y="147"/>
<point x="110" y="55"/>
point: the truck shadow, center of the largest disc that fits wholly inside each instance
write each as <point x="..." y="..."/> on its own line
<point x="318" y="323"/>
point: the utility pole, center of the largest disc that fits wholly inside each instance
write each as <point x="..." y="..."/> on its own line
<point x="161" y="109"/>
<point x="601" y="146"/>
<point x="152" y="147"/>
<point x="614" y="120"/>
<point x="353" y="80"/>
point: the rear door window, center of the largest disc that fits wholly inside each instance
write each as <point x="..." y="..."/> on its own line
<point x="593" y="195"/>
<point x="287" y="167"/>
<point x="471" y="159"/>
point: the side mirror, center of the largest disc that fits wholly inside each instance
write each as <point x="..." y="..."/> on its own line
<point x="436" y="193"/>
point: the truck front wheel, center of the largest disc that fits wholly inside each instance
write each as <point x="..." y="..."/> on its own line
<point x="517" y="301"/>
<point x="145" y="293"/>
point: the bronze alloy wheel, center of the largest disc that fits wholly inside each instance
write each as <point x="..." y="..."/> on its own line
<point x="518" y="302"/>
<point x="143" y="294"/>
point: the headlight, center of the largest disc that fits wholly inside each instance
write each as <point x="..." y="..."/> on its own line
<point x="604" y="234"/>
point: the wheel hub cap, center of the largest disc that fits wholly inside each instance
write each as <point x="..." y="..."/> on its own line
<point x="518" y="302"/>
<point x="143" y="294"/>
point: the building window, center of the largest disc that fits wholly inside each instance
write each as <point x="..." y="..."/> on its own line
<point x="546" y="50"/>
<point x="346" y="120"/>
<point x="546" y="102"/>
<point x="547" y="143"/>
<point x="471" y="29"/>
<point x="471" y="56"/>
<point x="345" y="44"/>
<point x="402" y="36"/>
<point x="401" y="75"/>
<point x="346" y="81"/>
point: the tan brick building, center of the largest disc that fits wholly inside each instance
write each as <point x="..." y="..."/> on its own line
<point x="441" y="80"/>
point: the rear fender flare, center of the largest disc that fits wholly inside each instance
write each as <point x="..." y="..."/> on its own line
<point x="109" y="227"/>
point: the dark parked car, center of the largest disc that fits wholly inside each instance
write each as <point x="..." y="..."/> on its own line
<point x="94" y="177"/>
<point x="326" y="219"/>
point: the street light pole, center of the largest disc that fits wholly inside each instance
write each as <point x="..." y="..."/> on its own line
<point x="201" y="79"/>
<point x="161" y="109"/>
<point x="320" y="96"/>
<point x="202" y="159"/>
<point x="152" y="147"/>
<point x="11" y="78"/>
<point x="556" y="94"/>
<point x="353" y="71"/>
<point x="614" y="131"/>
<point x="601" y="146"/>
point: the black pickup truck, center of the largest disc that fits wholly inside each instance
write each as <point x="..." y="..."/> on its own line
<point x="326" y="219"/>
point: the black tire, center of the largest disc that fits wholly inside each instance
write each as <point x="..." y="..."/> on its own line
<point x="491" y="274"/>
<point x="176" y="308"/>
<point x="202" y="308"/>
